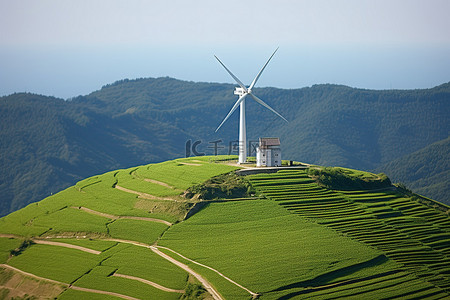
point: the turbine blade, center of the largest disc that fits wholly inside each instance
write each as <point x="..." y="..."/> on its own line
<point x="232" y="110"/>
<point x="232" y="75"/>
<point x="267" y="106"/>
<point x="260" y="72"/>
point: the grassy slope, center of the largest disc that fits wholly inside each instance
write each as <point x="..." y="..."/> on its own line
<point x="244" y="241"/>
<point x="406" y="231"/>
<point x="426" y="171"/>
<point x="59" y="216"/>
<point x="301" y="240"/>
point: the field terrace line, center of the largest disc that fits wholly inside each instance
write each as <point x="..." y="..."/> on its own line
<point x="52" y="243"/>
<point x="155" y="249"/>
<point x="199" y="277"/>
<point x="114" y="217"/>
<point x="205" y="283"/>
<point x="143" y="195"/>
<point x="160" y="183"/>
<point x="69" y="286"/>
<point x="154" y="181"/>
<point x="145" y="281"/>
<point x="148" y="282"/>
<point x="212" y="269"/>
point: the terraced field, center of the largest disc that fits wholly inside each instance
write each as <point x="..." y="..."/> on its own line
<point x="95" y="240"/>
<point x="131" y="234"/>
<point x="412" y="234"/>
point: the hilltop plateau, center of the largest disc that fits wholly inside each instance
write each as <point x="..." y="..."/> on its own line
<point x="201" y="228"/>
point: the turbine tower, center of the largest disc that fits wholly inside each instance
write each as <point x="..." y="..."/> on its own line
<point x="243" y="92"/>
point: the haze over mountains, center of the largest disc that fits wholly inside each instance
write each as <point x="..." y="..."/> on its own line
<point x="48" y="144"/>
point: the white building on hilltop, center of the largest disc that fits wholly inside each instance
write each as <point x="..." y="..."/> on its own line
<point x="268" y="153"/>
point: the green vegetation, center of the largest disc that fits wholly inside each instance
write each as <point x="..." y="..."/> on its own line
<point x="183" y="173"/>
<point x="143" y="263"/>
<point x="99" y="279"/>
<point x="227" y="186"/>
<point x="282" y="235"/>
<point x="23" y="246"/>
<point x="249" y="232"/>
<point x="49" y="144"/>
<point x="71" y="220"/>
<point x="406" y="231"/>
<point x="59" y="213"/>
<point x="98" y="245"/>
<point x="57" y="263"/>
<point x="93" y="210"/>
<point x="71" y="294"/>
<point x="194" y="291"/>
<point x="426" y="171"/>
<point x="7" y="247"/>
<point x="347" y="179"/>
<point x="135" y="230"/>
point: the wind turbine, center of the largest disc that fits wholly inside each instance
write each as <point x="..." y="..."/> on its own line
<point x="243" y="92"/>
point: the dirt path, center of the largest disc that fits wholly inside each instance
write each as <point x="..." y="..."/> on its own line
<point x="91" y="211"/>
<point x="199" y="277"/>
<point x="43" y="242"/>
<point x="66" y="284"/>
<point x="212" y="269"/>
<point x="143" y="195"/>
<point x="155" y="249"/>
<point x="128" y="242"/>
<point x="153" y="284"/>
<point x="160" y="183"/>
<point x="32" y="275"/>
<point x="10" y="236"/>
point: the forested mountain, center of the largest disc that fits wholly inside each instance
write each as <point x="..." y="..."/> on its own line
<point x="426" y="171"/>
<point x="47" y="144"/>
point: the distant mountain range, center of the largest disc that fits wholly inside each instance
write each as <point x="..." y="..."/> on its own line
<point x="48" y="144"/>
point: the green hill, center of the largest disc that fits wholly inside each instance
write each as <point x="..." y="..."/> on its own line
<point x="48" y="144"/>
<point x="426" y="171"/>
<point x="192" y="228"/>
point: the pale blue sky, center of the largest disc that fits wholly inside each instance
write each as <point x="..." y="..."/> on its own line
<point x="67" y="48"/>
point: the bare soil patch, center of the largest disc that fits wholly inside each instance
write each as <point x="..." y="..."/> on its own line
<point x="21" y="284"/>
<point x="26" y="284"/>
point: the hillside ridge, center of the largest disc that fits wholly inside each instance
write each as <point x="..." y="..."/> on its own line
<point x="268" y="235"/>
<point x="48" y="144"/>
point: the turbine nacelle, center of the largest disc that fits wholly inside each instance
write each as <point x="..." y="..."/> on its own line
<point x="240" y="91"/>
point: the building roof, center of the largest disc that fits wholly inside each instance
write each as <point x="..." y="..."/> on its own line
<point x="265" y="142"/>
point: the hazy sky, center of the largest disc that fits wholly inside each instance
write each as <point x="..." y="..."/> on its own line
<point x="67" y="48"/>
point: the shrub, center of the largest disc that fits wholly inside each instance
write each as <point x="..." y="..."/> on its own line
<point x="346" y="179"/>
<point x="194" y="291"/>
<point x="223" y="186"/>
<point x="25" y="244"/>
